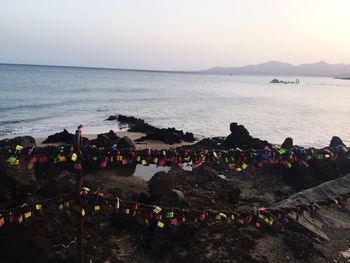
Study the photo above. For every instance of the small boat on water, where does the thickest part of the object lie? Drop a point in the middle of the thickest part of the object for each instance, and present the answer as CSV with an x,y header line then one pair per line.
x,y
285,82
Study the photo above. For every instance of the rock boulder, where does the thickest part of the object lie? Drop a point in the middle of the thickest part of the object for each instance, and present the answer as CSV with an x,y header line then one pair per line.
x,y
17,184
169,135
287,144
241,138
63,137
126,143
336,142
107,139
26,141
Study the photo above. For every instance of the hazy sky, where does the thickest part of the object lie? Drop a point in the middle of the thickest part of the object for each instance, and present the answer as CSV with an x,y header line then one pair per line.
x,y
173,35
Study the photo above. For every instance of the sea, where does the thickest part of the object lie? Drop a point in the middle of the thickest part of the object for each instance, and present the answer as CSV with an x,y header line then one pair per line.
x,y
41,100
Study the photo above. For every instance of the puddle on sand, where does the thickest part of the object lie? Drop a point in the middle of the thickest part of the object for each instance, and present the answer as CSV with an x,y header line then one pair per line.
x,y
140,171
145,172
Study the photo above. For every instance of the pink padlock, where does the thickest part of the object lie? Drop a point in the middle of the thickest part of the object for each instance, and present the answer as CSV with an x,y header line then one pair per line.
x,y
173,221
194,166
11,218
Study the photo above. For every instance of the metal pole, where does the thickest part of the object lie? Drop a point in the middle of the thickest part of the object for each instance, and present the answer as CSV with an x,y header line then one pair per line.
x,y
80,252
78,145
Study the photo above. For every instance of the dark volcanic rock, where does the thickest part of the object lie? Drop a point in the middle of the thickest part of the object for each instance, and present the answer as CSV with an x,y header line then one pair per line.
x,y
238,130
175,198
135,124
288,143
63,137
240,137
299,241
207,143
162,243
26,141
319,171
17,183
112,118
188,137
126,143
59,184
107,139
300,246
159,184
169,135
336,142
19,246
201,186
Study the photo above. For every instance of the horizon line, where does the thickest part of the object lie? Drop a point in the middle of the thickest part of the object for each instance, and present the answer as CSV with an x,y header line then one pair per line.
x,y
104,68
202,71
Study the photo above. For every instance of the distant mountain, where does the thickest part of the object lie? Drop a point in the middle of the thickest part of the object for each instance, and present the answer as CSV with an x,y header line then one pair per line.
x,y
279,68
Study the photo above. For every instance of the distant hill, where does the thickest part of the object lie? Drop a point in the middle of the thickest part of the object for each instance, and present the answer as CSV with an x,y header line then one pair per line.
x,y
279,68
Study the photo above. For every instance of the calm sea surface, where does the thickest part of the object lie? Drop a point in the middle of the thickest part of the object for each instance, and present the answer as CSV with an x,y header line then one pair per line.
x,y
37,100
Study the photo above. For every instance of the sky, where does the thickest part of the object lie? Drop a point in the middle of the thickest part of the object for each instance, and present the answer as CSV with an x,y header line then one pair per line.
x,y
173,35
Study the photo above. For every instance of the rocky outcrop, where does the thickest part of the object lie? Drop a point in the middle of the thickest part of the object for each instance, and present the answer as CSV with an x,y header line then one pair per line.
x,y
336,142
319,171
112,118
135,124
241,138
207,143
168,136
300,241
26,141
287,144
64,137
58,184
105,140
205,186
175,198
160,184
126,143
17,184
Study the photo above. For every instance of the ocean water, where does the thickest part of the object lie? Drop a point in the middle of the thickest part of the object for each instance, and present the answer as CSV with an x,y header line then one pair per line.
x,y
37,100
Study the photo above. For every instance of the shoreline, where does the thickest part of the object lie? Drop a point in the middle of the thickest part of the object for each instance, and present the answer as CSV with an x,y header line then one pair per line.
x,y
160,138
156,145
93,130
